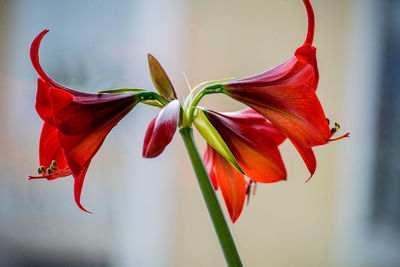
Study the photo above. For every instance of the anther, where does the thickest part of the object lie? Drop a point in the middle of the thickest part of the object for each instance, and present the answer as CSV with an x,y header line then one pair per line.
x,y
48,171
337,125
41,170
328,121
53,166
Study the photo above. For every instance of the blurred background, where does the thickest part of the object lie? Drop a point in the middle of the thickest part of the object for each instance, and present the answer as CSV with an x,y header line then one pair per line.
x,y
149,212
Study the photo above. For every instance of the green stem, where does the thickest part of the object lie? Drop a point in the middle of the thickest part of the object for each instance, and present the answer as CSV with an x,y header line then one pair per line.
x,y
213,89
231,254
148,95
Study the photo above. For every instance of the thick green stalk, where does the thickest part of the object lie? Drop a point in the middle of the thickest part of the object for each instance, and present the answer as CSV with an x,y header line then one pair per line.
x,y
231,254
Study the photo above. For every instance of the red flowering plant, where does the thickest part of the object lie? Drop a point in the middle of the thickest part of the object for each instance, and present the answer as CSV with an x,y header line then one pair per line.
x,y
243,146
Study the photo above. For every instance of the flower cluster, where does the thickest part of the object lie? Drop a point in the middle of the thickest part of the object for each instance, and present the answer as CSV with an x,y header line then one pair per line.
x,y
282,103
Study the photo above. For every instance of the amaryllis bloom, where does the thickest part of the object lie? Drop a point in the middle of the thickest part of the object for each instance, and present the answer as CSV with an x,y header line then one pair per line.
x,y
285,95
163,126
254,142
75,125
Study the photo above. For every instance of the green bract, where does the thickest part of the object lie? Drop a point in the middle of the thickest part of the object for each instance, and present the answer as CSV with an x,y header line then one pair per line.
x,y
161,80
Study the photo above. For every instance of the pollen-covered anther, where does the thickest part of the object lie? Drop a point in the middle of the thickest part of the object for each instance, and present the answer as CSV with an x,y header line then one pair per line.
x,y
48,171
53,166
335,129
41,170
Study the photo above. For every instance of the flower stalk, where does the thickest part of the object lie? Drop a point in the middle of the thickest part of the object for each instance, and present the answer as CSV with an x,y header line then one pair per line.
x,y
225,238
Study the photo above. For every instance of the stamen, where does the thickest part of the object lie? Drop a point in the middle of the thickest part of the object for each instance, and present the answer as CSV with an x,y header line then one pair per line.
x,y
336,128
53,163
340,137
41,170
254,188
48,171
248,190
250,184
53,166
328,121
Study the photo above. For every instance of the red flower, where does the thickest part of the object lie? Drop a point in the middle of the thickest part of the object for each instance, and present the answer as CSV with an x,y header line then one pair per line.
x,y
285,95
254,143
75,125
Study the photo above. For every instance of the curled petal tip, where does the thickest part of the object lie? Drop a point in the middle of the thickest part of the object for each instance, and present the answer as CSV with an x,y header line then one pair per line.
x,y
82,208
311,22
309,178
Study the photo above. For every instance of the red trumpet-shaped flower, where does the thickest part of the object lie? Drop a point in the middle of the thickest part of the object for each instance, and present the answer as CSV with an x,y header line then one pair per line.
x,y
75,125
285,95
254,143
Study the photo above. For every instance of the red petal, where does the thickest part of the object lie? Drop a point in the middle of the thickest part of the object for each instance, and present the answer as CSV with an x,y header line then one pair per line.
x,y
82,115
232,184
209,158
263,164
251,117
34,53
50,148
311,22
308,157
83,123
290,104
78,188
254,143
161,130
285,95
306,54
43,104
